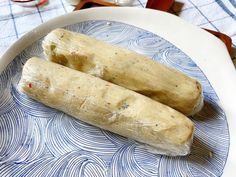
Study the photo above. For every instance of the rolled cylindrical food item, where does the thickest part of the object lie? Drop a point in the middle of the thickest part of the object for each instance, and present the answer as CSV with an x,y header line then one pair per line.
x,y
108,106
125,68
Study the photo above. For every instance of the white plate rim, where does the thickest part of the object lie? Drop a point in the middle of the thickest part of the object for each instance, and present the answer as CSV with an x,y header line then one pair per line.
x,y
207,51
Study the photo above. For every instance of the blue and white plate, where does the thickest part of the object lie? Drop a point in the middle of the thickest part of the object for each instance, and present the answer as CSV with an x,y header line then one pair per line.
x,y
36,140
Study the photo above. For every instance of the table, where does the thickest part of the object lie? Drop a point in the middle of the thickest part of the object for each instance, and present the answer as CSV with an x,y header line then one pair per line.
x,y
218,15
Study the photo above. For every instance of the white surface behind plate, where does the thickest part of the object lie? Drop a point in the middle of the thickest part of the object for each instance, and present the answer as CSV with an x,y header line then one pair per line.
x,y
207,51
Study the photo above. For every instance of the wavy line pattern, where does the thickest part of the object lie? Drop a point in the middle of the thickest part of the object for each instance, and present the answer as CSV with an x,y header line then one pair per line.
x,y
36,140
124,163
21,137
65,134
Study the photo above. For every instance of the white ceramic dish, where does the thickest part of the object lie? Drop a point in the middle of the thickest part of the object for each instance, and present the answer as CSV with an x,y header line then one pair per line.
x,y
205,50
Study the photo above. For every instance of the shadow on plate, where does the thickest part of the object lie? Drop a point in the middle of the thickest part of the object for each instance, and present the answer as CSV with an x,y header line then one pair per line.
x,y
209,111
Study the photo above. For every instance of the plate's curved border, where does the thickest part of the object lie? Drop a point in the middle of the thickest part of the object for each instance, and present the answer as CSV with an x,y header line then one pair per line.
x,y
207,51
